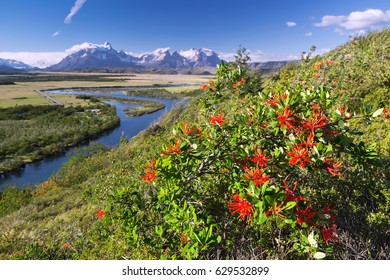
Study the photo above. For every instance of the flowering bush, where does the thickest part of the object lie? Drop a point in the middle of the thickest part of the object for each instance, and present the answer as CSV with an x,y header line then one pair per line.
x,y
264,152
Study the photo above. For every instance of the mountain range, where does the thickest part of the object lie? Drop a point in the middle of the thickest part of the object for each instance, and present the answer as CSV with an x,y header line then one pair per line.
x,y
93,56
90,55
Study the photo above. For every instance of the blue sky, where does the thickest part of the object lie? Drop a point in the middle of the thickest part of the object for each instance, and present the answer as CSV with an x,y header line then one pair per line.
x,y
270,30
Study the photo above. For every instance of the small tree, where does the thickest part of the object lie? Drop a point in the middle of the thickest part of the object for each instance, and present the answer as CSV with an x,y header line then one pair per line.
x,y
242,57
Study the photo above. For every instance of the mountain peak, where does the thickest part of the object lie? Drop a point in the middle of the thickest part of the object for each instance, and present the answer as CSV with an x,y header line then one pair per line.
x,y
161,51
88,46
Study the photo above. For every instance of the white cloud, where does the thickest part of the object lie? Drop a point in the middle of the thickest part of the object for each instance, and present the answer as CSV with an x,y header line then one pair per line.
x,y
291,24
35,59
330,20
259,56
366,19
55,34
76,7
308,34
358,20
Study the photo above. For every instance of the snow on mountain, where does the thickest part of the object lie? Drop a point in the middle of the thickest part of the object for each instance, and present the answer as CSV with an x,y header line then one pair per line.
x,y
88,55
13,64
193,54
88,46
201,57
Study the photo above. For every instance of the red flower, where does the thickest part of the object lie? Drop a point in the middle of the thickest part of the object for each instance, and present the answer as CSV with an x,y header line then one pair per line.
x,y
185,128
259,158
149,176
66,245
316,121
387,116
310,141
217,120
290,196
316,75
299,154
204,87
330,234
272,102
305,216
100,214
333,167
241,206
150,171
276,210
173,149
328,211
318,65
256,176
286,119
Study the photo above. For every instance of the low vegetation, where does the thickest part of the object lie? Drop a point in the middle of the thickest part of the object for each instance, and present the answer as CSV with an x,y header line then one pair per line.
x,y
285,169
47,130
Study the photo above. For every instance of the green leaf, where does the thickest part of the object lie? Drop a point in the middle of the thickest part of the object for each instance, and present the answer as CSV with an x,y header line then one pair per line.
x,y
264,188
290,204
319,255
378,112
262,218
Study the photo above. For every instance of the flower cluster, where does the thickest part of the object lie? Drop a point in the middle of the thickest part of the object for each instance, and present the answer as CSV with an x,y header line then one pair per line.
x,y
150,171
218,120
100,214
242,207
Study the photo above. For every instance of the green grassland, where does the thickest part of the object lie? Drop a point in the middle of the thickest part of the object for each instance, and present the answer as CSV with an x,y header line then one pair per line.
x,y
35,223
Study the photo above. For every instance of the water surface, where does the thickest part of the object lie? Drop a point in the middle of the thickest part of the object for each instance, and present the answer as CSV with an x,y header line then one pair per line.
x,y
38,172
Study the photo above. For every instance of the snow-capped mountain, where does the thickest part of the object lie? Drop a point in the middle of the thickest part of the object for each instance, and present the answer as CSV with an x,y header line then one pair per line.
x,y
88,55
162,58
201,57
13,64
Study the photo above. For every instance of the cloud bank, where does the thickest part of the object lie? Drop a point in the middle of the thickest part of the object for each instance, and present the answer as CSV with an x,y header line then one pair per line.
x,y
76,7
370,18
35,59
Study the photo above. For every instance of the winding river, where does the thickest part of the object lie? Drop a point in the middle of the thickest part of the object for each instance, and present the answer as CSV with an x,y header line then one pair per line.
x,y
38,172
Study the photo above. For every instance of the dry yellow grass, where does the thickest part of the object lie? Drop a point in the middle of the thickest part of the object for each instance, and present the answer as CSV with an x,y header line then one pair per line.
x,y
23,93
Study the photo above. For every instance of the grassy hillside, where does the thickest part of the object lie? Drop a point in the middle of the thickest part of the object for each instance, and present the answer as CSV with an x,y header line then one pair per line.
x,y
238,174
359,71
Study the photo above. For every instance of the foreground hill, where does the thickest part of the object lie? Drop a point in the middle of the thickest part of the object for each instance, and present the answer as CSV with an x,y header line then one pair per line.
x,y
238,174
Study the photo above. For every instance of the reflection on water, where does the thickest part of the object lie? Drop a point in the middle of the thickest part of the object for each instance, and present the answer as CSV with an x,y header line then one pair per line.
x,y
38,172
